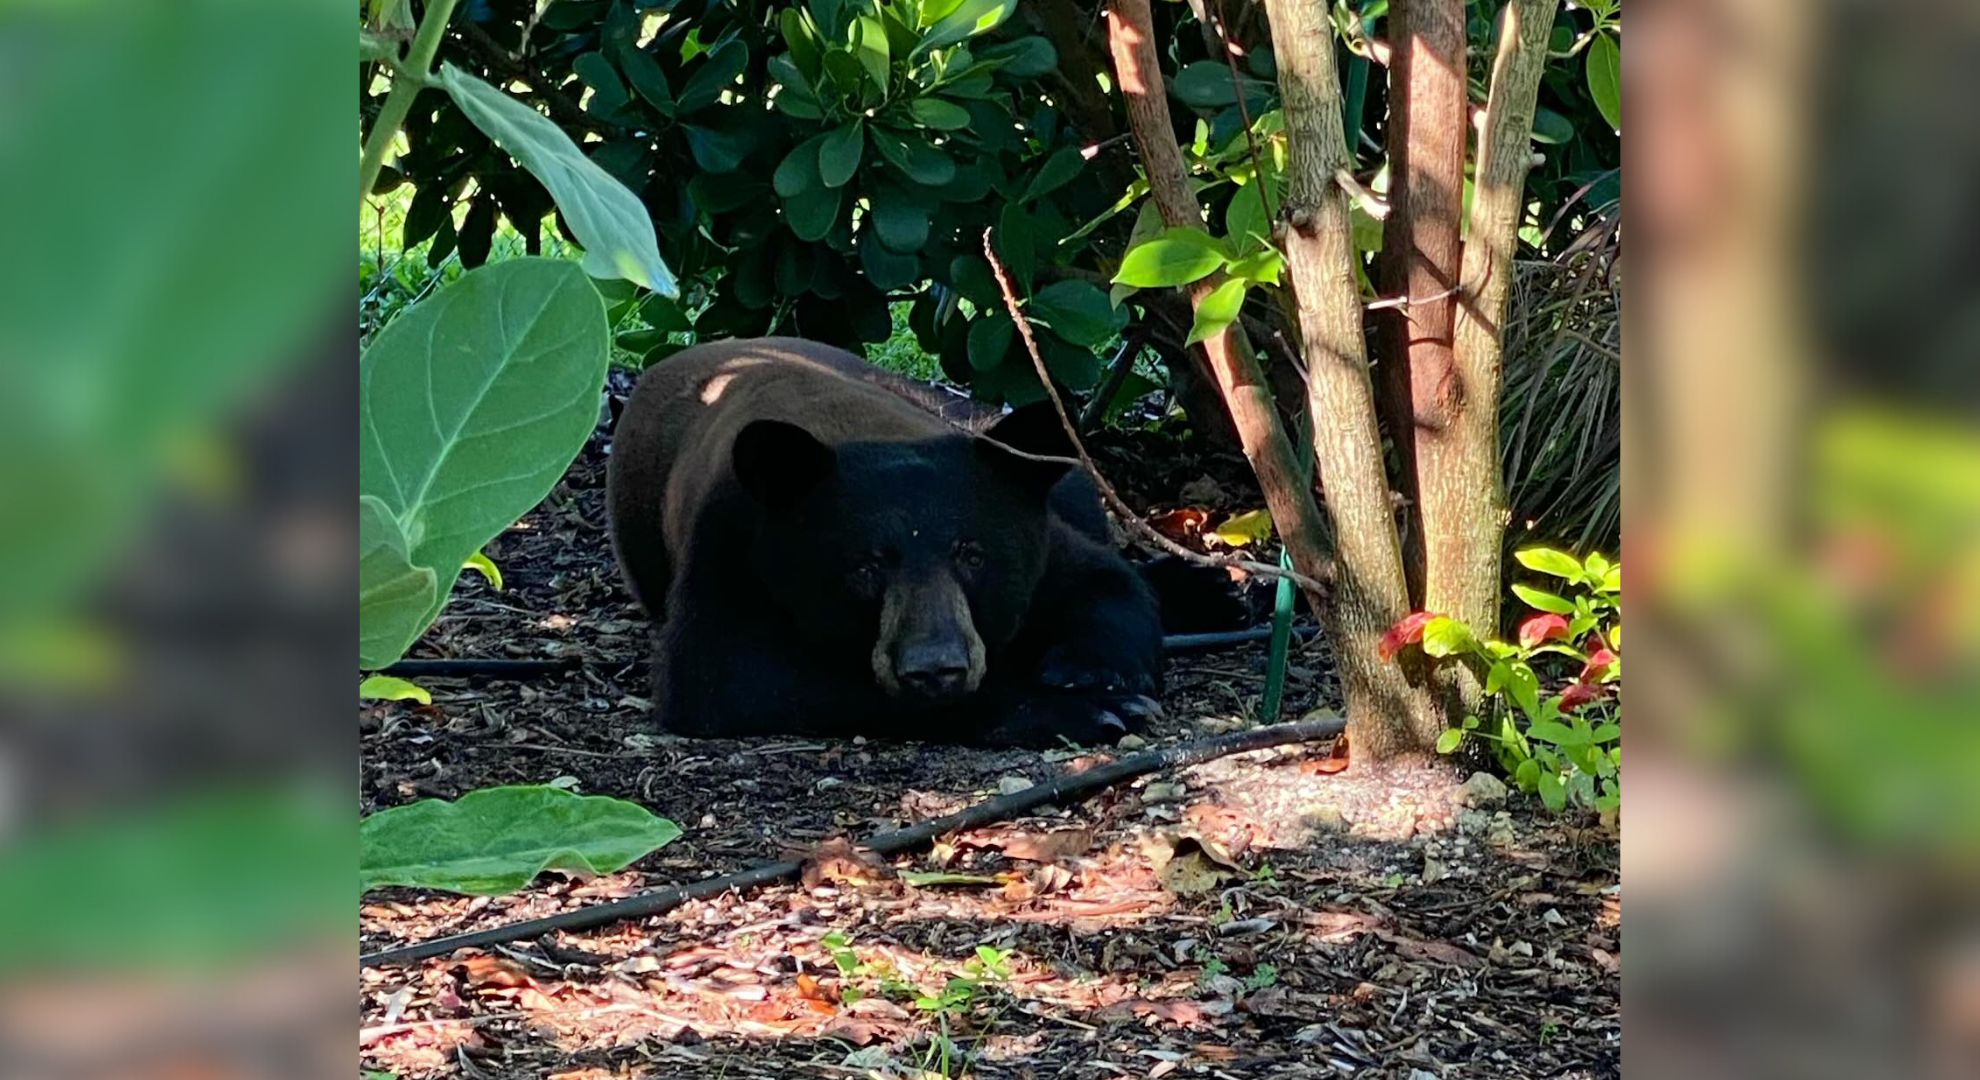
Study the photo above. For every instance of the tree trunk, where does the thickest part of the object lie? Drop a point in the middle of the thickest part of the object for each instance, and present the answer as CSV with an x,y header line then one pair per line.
x,y
1464,501
1131,38
1386,714
1421,255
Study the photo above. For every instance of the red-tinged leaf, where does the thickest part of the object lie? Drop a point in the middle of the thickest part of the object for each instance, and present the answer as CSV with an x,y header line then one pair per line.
x,y
1541,628
1579,694
1181,523
1598,665
1407,631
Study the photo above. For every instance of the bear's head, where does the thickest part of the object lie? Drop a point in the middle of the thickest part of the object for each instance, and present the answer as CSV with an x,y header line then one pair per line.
x,y
922,556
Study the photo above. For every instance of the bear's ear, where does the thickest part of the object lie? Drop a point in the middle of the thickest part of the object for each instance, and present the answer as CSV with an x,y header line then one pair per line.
x,y
1034,429
778,462
1030,474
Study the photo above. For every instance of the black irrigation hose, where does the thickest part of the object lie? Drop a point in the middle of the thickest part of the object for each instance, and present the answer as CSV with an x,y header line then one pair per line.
x,y
532,669
1062,787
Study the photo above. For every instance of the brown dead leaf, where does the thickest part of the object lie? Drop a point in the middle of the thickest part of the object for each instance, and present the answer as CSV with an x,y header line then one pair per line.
x,y
495,972
1605,959
1364,991
1181,523
1335,760
837,861
1191,872
1436,952
1273,1001
1047,847
1174,1010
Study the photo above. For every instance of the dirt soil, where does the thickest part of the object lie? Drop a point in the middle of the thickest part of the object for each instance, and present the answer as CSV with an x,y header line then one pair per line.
x,y
1262,916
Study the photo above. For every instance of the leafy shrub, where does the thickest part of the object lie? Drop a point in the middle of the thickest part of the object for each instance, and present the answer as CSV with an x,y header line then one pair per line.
x,y
1565,745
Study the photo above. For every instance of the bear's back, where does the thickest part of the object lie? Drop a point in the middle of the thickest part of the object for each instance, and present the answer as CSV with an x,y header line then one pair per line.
x,y
671,448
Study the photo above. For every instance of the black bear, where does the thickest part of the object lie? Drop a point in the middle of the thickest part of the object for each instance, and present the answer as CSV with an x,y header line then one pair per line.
x,y
824,556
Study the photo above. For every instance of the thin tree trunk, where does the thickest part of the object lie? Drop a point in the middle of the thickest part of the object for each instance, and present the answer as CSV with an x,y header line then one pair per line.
x,y
1464,503
1420,251
1386,714
1421,257
1131,38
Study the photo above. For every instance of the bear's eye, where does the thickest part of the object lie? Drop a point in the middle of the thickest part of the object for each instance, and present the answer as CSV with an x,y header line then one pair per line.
x,y
968,555
865,577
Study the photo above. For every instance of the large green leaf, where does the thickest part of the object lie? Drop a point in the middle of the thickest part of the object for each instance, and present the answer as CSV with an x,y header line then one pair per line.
x,y
1605,78
870,46
1025,58
799,171
968,19
1078,311
497,839
645,75
1175,256
990,340
393,594
811,214
839,153
1549,561
1058,170
1218,310
1207,84
608,220
900,220
919,161
472,404
718,70
939,114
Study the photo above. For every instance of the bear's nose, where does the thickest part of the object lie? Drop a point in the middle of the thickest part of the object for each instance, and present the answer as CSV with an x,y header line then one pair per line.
x,y
934,669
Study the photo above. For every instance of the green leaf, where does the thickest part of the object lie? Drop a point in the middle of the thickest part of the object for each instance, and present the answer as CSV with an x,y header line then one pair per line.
x,y
1078,311
884,268
869,37
394,596
1548,561
375,47
1205,84
1026,58
1594,567
496,840
920,162
1605,78
1445,636
1175,256
811,214
471,406
1527,774
1218,310
1262,268
609,221
1543,600
939,114
1553,731
388,688
1250,527
608,91
1524,687
900,220
1246,220
990,340
1015,244
1495,679
716,150
1611,580
648,80
925,878
485,566
799,171
717,73
1551,127
664,313
1449,740
839,153
1057,172
966,20
1553,792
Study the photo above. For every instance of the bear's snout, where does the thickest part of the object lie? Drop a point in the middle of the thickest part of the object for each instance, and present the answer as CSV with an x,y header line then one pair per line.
x,y
934,669
927,646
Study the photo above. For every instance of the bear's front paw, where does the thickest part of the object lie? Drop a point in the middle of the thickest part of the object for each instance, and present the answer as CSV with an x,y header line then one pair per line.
x,y
1090,719
1067,669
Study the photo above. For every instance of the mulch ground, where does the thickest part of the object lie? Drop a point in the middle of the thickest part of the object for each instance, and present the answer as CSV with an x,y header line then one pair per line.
x,y
1262,916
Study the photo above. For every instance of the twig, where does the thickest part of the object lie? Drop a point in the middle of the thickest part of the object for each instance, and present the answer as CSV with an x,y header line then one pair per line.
x,y
1128,517
1369,201
1064,787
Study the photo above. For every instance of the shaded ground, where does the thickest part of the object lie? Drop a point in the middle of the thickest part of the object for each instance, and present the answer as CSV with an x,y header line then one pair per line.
x,y
1260,916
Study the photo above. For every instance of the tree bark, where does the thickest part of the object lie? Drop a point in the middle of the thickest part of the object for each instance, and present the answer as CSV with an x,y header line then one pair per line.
x,y
1131,37
1427,132
1464,500
1386,714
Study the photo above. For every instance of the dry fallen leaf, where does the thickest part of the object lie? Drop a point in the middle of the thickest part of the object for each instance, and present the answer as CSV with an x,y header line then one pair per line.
x,y
1048,847
1180,523
1439,952
484,972
837,861
1192,872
